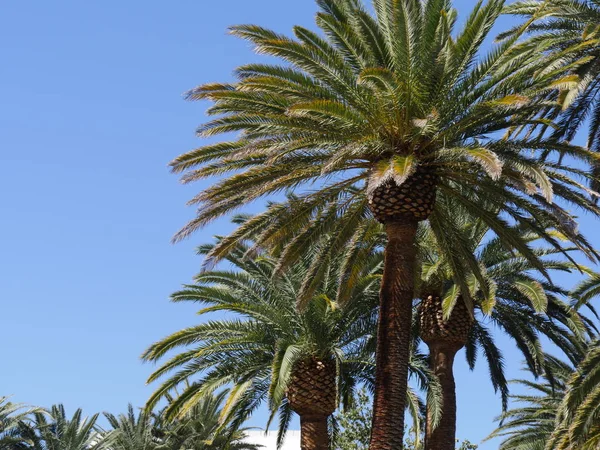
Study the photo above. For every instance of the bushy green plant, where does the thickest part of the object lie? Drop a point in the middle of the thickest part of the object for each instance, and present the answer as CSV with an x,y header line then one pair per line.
x,y
353,428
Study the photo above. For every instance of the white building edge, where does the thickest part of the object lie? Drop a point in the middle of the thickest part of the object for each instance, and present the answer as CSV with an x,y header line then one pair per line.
x,y
269,440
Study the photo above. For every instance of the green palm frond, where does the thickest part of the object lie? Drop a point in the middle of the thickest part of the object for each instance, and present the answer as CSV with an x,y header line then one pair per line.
x,y
568,29
53,429
560,412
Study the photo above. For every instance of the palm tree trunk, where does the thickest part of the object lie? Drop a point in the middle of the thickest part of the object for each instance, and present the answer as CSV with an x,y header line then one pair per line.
x,y
394,336
314,433
444,337
443,437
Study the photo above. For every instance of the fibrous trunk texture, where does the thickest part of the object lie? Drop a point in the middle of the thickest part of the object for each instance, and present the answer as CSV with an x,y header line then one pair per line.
x,y
312,394
443,436
314,434
412,201
394,336
434,328
444,339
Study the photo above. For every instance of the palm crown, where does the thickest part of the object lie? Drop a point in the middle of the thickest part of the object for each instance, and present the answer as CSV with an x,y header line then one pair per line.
x,y
578,413
11,416
532,420
563,413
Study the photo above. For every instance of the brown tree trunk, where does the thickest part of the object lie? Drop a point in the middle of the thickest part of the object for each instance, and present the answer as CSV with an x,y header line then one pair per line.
x,y
443,437
394,336
444,337
314,434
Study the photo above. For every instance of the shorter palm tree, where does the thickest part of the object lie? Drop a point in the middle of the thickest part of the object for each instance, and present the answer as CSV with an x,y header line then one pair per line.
x,y
578,418
133,431
523,305
202,428
306,362
199,429
53,430
564,412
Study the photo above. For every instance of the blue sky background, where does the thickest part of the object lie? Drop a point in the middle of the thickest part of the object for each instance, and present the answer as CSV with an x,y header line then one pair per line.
x,y
91,113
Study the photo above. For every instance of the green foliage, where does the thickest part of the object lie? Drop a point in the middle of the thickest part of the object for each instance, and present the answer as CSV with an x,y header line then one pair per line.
x,y
569,29
355,424
466,445
200,429
354,428
54,430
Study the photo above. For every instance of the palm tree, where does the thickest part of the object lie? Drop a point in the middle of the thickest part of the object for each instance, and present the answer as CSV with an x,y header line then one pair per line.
x,y
524,306
530,426
199,429
382,117
570,29
305,362
53,430
10,416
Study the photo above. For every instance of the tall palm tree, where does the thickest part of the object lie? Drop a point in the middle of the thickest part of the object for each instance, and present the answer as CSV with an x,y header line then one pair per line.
x,y
381,117
570,29
305,361
54,430
199,429
524,306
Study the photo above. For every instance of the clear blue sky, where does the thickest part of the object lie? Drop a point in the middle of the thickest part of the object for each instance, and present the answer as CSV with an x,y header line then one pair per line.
x,y
91,113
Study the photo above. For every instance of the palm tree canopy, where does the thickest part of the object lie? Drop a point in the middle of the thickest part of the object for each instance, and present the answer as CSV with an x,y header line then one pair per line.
x,y
134,432
11,414
203,428
372,99
578,419
256,350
